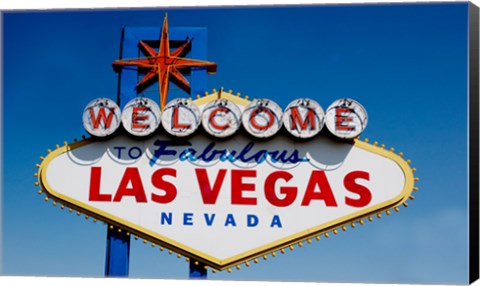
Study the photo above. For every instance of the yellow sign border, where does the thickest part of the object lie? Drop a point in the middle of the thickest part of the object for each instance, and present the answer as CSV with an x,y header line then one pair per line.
x,y
255,253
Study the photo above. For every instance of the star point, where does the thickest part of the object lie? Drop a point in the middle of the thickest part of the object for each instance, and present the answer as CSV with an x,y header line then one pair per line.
x,y
164,65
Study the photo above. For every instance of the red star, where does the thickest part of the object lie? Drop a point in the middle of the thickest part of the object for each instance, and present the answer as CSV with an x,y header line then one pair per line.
x,y
165,64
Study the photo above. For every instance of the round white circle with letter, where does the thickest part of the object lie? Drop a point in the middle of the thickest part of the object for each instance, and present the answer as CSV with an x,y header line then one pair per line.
x,y
303,118
262,118
346,118
181,117
141,116
221,118
101,117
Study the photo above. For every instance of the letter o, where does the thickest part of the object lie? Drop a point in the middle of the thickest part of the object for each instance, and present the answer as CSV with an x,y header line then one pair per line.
x,y
262,118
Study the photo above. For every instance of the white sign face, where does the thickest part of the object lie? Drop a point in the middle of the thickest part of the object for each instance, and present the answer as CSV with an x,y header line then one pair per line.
x,y
101,117
262,118
221,118
226,202
141,116
346,118
303,118
181,117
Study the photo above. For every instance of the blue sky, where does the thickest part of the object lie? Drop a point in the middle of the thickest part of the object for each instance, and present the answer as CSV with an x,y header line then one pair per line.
x,y
407,64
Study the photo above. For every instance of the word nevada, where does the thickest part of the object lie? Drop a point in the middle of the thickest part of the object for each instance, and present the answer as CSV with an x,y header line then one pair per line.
x,y
261,118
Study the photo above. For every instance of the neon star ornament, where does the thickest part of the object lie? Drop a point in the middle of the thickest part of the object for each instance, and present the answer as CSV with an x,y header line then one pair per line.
x,y
165,65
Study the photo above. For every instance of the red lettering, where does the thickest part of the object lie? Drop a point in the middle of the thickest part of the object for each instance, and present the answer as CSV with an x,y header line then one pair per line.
x,y
209,194
318,178
365,196
137,119
290,193
101,116
159,183
271,118
238,187
175,123
341,118
94,193
296,118
131,185
212,121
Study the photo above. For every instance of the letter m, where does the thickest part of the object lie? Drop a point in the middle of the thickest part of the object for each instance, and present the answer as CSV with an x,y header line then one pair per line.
x,y
101,116
297,119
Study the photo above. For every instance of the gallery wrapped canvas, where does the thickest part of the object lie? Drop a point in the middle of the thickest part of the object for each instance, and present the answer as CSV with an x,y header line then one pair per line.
x,y
309,143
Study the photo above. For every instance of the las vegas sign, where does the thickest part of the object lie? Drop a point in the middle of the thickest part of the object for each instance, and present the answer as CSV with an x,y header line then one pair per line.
x,y
224,180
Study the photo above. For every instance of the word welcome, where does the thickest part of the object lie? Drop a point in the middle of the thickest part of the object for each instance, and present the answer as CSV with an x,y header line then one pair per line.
x,y
263,118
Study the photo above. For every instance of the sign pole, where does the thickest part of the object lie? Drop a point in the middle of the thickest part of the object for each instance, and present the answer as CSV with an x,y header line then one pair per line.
x,y
197,270
118,253
118,243
198,83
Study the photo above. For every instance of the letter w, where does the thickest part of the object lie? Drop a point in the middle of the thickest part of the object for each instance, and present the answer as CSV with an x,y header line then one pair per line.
x,y
101,116
209,194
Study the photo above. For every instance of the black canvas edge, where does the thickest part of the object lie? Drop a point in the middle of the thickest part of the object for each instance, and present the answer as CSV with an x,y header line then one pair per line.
x,y
473,142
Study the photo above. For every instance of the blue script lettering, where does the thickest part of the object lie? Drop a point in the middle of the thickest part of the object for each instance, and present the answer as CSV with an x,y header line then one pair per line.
x,y
163,151
210,153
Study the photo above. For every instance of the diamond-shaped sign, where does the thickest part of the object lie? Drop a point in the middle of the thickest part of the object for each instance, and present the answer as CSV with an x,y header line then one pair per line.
x,y
227,202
